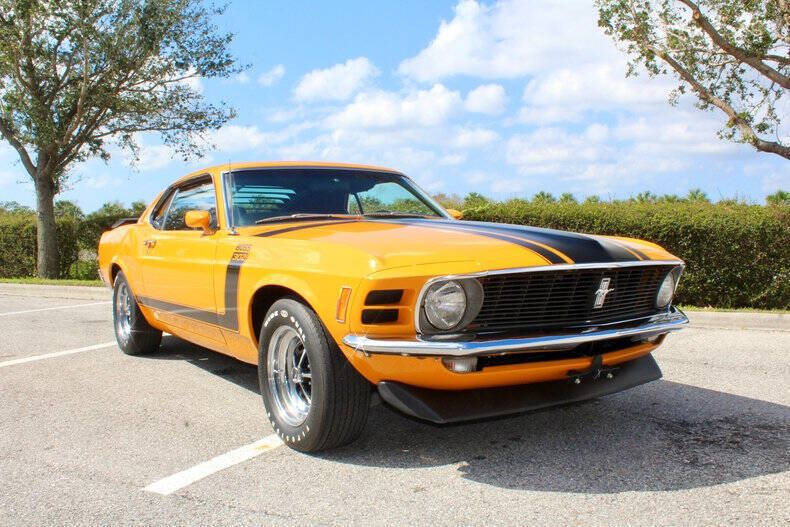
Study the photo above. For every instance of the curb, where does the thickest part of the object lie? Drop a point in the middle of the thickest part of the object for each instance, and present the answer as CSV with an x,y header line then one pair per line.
x,y
734,320
57,291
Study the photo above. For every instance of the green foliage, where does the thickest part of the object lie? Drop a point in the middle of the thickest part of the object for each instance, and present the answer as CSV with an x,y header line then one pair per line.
x,y
780,198
731,53
105,70
543,197
736,255
101,220
18,244
78,77
77,238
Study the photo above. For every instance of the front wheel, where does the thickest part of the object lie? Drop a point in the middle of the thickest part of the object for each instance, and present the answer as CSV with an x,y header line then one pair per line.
x,y
134,334
314,398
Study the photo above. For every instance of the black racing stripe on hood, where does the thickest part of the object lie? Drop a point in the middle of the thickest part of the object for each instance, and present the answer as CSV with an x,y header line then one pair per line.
x,y
578,247
300,227
458,226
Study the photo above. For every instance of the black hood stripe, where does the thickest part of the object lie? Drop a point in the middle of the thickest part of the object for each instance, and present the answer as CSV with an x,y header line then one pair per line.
x,y
636,252
546,254
300,227
578,247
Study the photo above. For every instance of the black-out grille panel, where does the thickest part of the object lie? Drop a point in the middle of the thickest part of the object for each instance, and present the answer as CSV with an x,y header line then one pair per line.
x,y
565,298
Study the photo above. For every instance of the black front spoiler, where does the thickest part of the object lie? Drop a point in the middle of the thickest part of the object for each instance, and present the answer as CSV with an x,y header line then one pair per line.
x,y
450,406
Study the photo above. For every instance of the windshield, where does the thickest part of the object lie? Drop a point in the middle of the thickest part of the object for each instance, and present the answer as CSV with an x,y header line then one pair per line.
x,y
277,193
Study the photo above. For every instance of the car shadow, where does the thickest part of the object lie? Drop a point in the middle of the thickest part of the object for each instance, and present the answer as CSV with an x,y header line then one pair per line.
x,y
660,436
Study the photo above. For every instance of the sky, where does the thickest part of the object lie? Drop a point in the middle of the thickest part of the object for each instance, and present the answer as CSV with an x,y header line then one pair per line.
x,y
505,98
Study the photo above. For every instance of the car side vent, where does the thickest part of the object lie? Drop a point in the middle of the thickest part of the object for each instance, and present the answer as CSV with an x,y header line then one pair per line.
x,y
379,316
383,297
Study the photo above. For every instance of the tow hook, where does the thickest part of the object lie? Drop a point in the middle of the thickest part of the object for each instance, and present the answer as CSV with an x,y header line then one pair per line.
x,y
594,372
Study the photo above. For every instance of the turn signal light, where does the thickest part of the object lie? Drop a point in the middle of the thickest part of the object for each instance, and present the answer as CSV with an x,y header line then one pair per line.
x,y
460,364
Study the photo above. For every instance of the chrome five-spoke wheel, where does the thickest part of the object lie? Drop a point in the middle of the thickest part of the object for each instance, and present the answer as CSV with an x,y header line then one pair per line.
x,y
123,311
290,377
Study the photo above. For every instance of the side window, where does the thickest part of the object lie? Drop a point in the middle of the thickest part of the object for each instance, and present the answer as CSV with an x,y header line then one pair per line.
x,y
353,204
158,217
195,197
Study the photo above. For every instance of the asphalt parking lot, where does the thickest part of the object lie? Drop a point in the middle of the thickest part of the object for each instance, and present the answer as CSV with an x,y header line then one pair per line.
x,y
96,437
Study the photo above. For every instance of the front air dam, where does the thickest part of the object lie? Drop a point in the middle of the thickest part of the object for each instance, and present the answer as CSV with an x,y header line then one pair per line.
x,y
449,406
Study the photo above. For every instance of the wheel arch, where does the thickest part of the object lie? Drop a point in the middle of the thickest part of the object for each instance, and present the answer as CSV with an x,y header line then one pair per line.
x,y
263,298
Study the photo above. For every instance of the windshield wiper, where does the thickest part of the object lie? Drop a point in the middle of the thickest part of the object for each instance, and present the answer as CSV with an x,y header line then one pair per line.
x,y
394,214
303,216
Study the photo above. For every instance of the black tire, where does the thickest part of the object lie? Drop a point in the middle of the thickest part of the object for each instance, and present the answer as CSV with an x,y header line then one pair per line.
x,y
134,334
339,397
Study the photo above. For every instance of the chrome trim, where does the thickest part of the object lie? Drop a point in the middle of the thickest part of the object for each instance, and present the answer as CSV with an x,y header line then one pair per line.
x,y
225,198
537,268
656,325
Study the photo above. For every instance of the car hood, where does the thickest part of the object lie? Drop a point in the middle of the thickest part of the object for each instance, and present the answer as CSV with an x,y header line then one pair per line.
x,y
409,241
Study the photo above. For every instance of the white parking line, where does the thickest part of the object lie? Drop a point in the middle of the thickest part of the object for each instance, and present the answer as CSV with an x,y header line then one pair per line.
x,y
186,477
56,307
56,354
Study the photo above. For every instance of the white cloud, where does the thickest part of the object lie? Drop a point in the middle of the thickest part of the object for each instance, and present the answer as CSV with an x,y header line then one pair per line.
x,y
548,115
193,81
565,94
386,109
452,159
548,149
99,181
6,178
474,137
151,157
339,82
488,99
241,78
510,39
272,76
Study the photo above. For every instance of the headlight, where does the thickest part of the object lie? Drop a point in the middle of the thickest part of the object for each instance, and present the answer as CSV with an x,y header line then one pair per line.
x,y
667,290
445,304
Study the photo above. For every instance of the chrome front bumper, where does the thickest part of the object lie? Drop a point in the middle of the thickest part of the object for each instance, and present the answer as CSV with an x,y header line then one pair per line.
x,y
673,320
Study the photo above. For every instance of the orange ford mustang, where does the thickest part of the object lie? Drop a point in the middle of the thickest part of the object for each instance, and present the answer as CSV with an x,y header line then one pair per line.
x,y
339,281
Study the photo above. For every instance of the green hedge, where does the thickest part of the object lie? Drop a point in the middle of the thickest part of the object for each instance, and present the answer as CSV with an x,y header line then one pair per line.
x,y
736,255
18,245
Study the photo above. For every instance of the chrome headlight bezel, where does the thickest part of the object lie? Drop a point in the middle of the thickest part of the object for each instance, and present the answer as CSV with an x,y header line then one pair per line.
x,y
473,294
668,283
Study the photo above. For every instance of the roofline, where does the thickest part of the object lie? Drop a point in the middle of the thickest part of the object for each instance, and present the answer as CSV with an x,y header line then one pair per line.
x,y
217,169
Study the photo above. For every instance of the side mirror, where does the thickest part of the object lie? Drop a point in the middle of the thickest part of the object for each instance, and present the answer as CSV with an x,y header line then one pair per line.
x,y
199,219
457,214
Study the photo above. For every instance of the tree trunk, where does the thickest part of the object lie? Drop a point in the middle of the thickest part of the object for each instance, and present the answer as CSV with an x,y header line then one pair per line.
x,y
46,229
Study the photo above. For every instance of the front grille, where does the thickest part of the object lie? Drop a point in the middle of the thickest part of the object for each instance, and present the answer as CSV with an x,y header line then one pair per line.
x,y
565,298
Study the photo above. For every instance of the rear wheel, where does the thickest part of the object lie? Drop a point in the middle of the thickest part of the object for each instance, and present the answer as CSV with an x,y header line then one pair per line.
x,y
314,398
134,334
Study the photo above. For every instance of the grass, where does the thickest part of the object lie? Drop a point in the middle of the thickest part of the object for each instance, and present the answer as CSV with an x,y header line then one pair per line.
x,y
48,281
735,310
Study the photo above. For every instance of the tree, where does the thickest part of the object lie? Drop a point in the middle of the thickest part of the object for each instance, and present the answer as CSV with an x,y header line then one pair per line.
x,y
65,208
543,197
567,197
697,195
780,198
732,53
77,76
474,200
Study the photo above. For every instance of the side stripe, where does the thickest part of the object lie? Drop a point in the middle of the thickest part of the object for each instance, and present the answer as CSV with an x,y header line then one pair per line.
x,y
230,318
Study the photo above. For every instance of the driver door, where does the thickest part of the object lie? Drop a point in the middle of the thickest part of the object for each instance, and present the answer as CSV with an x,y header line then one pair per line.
x,y
178,262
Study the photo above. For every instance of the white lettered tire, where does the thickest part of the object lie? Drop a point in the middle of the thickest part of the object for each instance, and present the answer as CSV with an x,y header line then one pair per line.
x,y
314,399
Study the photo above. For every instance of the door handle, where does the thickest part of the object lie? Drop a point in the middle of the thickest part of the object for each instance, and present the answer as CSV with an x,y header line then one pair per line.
x,y
150,244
